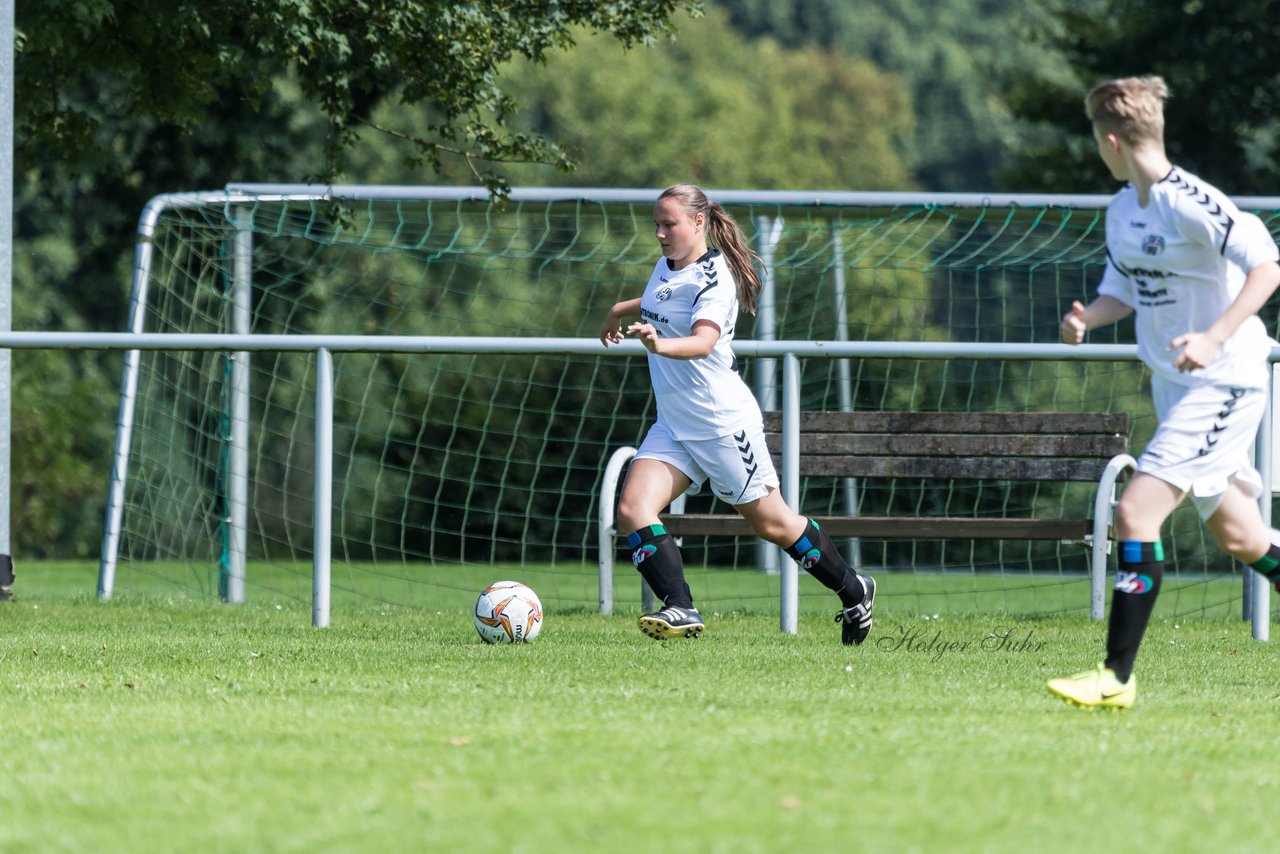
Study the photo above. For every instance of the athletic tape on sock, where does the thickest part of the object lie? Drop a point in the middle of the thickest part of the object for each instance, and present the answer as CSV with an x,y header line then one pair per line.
x,y
643,535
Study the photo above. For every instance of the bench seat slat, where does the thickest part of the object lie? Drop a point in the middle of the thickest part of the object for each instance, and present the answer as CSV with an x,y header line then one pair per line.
x,y
955,444
983,446
956,422
896,527
960,468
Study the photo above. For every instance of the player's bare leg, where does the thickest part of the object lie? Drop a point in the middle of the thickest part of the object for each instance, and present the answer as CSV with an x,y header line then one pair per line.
x,y
1146,503
651,485
810,547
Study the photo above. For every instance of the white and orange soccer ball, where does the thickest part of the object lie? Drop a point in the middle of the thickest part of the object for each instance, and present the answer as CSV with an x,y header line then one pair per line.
x,y
508,612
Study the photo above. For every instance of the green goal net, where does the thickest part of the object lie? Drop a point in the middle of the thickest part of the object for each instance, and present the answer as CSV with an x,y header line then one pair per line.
x,y
455,469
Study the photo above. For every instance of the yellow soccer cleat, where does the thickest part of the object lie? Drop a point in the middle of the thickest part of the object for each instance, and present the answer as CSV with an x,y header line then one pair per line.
x,y
1096,689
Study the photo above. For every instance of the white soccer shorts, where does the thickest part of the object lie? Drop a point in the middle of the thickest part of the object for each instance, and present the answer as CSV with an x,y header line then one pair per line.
x,y
738,465
1205,440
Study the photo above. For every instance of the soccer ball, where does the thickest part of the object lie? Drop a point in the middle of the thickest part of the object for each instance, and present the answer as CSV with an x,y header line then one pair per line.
x,y
508,612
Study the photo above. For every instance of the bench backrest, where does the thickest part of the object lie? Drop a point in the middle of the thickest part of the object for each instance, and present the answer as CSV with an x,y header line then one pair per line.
x,y
1063,446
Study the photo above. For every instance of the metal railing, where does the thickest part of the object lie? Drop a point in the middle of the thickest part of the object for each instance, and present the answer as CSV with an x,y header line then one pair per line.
x,y
791,352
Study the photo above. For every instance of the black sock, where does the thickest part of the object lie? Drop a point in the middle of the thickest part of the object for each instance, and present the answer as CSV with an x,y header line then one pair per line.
x,y
1137,586
818,556
657,557
1269,565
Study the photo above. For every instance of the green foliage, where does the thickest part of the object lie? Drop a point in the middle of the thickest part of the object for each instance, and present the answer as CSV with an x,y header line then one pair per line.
x,y
171,63
947,56
60,436
1220,59
60,442
118,102
719,110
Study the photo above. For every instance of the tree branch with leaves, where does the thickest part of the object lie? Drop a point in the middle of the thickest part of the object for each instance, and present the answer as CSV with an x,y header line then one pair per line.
x,y
82,65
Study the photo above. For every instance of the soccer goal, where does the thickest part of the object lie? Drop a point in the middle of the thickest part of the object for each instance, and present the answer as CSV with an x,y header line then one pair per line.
x,y
459,466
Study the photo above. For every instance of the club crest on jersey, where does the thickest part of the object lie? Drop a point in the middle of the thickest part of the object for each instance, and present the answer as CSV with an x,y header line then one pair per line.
x,y
1153,244
664,294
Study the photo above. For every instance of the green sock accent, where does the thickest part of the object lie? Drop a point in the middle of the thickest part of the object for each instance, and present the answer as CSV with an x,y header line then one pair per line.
x,y
1267,565
643,535
1136,551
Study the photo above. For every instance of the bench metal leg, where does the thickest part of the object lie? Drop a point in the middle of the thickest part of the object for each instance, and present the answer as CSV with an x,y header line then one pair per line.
x,y
606,521
1104,503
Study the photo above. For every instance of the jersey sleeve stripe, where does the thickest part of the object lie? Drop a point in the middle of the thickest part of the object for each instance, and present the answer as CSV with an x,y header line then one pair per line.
x,y
1115,266
712,280
1212,208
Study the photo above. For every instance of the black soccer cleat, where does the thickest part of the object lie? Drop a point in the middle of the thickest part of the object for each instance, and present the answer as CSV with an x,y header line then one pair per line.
x,y
6,577
856,620
672,622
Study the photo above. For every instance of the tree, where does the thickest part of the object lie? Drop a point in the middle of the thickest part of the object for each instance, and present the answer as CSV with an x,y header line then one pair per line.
x,y
715,109
1221,61
948,56
118,102
84,64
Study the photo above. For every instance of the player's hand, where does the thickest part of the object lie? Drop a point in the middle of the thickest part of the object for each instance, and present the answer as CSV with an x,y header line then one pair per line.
x,y
647,335
1198,350
1073,326
610,330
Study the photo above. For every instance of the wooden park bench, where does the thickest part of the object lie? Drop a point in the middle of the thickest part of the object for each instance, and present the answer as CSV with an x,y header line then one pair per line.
x,y
981,446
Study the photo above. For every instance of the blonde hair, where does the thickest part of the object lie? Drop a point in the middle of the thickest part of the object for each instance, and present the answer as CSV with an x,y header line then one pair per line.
x,y
1132,108
724,235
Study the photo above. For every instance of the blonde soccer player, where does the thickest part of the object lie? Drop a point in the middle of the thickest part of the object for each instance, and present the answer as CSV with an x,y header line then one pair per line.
x,y
709,426
1194,270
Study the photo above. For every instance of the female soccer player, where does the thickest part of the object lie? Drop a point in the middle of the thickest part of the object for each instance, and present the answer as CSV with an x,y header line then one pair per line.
x,y
1194,270
709,425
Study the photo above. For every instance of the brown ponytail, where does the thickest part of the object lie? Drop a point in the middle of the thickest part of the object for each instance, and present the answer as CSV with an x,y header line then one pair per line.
x,y
724,234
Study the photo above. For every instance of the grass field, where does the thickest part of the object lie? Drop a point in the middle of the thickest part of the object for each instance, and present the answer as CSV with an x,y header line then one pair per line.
x,y
159,723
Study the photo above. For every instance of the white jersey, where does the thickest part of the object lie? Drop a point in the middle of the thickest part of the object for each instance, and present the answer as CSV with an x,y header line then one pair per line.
x,y
1179,263
697,398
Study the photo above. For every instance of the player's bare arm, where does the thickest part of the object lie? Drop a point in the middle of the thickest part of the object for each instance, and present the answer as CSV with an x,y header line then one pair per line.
x,y
696,346
1103,311
611,329
1201,348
